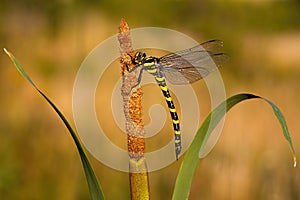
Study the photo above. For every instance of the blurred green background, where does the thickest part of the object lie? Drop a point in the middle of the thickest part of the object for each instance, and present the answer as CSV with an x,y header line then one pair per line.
x,y
38,159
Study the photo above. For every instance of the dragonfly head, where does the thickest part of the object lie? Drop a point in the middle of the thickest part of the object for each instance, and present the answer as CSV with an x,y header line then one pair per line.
x,y
139,57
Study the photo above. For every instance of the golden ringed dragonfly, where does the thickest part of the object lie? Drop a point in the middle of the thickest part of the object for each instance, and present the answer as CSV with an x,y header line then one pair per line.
x,y
183,67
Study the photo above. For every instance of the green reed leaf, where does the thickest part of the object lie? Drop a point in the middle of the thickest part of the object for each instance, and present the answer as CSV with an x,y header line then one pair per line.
x,y
94,188
191,158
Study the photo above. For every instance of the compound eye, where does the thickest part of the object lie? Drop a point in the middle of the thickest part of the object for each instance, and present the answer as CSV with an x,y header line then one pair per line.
x,y
139,57
136,58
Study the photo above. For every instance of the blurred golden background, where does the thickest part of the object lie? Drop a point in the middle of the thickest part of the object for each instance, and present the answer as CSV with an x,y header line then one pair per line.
x,y
38,159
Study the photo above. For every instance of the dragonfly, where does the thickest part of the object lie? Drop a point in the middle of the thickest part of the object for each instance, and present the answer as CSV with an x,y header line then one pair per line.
x,y
179,68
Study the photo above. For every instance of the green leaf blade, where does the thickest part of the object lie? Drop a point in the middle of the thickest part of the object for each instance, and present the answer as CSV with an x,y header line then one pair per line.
x,y
191,158
284,127
94,187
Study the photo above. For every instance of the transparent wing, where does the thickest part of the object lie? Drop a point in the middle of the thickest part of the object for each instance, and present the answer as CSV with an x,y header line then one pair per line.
x,y
193,64
212,46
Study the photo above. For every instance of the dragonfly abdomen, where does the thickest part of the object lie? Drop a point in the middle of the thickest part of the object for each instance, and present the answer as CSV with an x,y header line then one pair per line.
x,y
160,79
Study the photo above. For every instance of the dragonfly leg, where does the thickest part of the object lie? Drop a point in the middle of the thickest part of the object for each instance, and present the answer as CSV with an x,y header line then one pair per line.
x,y
132,69
139,77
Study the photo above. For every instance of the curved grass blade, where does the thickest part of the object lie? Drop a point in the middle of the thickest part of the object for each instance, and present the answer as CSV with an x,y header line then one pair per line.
x,y
191,159
94,188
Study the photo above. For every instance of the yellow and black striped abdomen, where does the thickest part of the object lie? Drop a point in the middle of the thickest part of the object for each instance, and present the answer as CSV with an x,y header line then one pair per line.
x,y
160,79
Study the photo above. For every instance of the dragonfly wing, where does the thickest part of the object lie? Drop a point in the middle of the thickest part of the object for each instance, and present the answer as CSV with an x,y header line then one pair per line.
x,y
192,64
212,46
220,59
185,75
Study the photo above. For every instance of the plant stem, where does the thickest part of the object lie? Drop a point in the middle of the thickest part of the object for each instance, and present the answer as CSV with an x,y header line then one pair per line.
x,y
138,173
